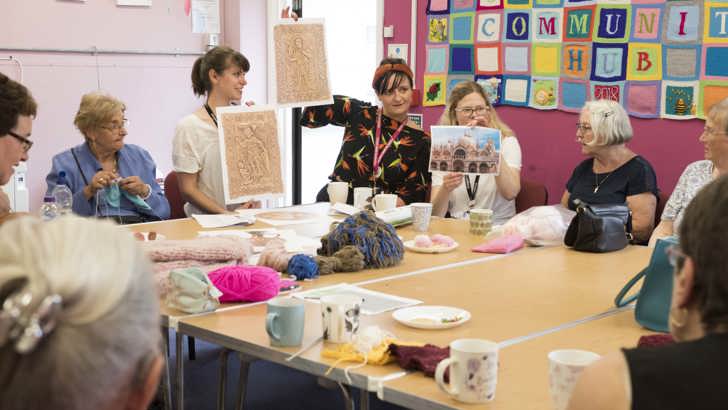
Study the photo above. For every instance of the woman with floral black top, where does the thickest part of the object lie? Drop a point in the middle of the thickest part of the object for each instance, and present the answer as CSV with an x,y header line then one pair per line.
x,y
380,148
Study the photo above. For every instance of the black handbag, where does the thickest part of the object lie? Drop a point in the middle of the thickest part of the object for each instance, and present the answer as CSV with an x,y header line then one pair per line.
x,y
599,228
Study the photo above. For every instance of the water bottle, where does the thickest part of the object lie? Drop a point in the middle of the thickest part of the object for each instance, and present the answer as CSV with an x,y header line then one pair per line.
x,y
62,194
48,210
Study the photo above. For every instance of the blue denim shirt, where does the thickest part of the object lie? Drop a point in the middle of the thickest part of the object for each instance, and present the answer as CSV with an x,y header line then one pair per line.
x,y
131,160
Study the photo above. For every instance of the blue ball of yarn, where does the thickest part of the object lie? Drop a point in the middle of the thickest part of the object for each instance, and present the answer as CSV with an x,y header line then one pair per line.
x,y
303,267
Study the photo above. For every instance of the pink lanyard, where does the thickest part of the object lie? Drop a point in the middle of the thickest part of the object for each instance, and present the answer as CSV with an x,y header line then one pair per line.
x,y
377,156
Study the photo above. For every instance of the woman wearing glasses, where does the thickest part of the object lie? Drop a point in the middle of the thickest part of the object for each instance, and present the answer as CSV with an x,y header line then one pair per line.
x,y
699,173
17,109
457,193
688,374
109,178
614,174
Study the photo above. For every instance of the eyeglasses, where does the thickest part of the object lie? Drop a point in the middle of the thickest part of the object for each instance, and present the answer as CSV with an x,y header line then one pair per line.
x,y
583,127
472,110
709,131
675,256
27,143
115,126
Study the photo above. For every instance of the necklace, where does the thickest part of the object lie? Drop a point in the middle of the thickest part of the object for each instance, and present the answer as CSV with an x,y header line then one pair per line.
x,y
597,184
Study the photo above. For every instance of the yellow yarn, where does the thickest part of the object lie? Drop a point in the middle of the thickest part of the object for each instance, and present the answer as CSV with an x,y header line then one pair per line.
x,y
347,352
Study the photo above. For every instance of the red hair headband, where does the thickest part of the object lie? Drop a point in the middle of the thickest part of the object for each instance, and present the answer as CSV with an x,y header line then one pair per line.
x,y
384,69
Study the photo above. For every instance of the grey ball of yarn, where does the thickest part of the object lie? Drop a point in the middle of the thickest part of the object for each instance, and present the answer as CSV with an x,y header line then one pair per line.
x,y
346,259
374,238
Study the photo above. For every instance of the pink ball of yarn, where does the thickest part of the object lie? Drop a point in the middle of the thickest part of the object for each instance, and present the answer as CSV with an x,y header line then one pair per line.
x,y
245,283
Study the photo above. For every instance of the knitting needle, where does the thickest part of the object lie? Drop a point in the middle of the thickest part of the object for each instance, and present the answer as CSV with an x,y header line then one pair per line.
x,y
305,348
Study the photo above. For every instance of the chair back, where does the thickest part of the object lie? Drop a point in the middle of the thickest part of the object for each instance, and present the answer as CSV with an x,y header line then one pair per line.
x,y
174,197
532,194
662,199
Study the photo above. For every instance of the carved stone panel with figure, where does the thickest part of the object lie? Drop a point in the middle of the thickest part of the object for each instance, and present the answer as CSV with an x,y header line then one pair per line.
x,y
302,75
251,155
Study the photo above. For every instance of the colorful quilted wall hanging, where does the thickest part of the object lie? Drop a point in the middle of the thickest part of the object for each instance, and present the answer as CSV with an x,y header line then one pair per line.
x,y
659,58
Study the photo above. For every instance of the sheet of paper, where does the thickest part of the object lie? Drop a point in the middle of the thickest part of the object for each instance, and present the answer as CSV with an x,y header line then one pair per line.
x,y
259,237
205,16
222,220
136,3
374,302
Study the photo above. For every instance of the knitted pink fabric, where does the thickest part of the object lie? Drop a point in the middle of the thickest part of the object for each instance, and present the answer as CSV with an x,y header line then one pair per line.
x,y
220,248
246,283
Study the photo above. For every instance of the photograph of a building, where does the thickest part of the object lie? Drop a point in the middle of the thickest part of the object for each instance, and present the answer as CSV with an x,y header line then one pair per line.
x,y
472,150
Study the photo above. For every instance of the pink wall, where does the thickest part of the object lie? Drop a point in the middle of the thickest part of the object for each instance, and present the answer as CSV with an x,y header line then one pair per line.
x,y
547,138
156,89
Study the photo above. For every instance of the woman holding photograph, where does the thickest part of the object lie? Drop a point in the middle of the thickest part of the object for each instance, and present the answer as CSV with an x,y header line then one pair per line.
x,y
219,76
380,148
457,194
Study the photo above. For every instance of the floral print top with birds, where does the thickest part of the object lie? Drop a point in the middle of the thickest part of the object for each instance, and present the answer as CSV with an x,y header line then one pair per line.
x,y
403,169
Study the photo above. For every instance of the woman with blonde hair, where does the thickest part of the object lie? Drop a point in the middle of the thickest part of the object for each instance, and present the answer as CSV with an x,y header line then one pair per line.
x,y
469,106
79,317
109,178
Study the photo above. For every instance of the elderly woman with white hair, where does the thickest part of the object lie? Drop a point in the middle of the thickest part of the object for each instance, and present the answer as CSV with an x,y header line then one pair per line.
x,y
77,331
614,174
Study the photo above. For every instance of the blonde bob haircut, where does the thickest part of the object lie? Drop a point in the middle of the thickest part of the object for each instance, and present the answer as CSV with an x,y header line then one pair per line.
x,y
462,90
609,122
96,110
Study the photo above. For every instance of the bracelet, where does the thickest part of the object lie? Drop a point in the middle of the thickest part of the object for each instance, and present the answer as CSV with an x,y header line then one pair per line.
x,y
149,193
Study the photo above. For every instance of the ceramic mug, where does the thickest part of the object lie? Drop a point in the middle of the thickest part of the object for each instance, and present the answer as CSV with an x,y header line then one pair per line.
x,y
384,202
421,215
338,192
480,221
284,321
340,314
362,196
473,367
565,366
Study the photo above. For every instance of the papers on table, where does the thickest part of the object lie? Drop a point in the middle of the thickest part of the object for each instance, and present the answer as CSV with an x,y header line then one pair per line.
x,y
374,302
222,220
293,242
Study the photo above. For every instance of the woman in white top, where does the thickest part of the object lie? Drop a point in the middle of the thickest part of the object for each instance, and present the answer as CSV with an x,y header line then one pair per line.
x,y
457,193
220,76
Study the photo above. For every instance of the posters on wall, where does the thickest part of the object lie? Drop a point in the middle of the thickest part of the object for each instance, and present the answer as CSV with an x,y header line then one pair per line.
x,y
205,16
659,58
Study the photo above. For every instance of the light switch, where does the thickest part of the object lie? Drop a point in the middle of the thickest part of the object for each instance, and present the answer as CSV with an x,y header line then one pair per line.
x,y
388,31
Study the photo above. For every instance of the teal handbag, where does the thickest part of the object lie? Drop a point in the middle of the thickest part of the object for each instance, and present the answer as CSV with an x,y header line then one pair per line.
x,y
653,300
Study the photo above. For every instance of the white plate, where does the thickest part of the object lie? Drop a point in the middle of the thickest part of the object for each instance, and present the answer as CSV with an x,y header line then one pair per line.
x,y
410,245
431,317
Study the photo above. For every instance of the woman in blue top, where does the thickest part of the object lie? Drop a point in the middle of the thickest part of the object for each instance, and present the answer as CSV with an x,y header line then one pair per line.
x,y
108,178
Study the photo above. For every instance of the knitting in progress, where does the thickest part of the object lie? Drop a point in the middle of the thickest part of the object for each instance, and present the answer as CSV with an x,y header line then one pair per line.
x,y
375,239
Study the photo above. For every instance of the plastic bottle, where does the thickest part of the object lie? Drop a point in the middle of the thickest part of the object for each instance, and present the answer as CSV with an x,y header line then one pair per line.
x,y
62,194
48,210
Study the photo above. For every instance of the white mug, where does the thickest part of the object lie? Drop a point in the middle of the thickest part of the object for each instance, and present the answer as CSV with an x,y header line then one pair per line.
x,y
340,314
473,370
362,196
384,202
338,192
565,366
421,215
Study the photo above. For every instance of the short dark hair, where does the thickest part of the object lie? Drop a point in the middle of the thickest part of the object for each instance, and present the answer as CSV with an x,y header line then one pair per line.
x,y
218,58
703,234
15,100
380,86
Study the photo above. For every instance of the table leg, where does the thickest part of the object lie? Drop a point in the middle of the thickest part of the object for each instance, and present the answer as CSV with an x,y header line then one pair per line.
x,y
363,399
179,384
348,399
223,379
243,380
166,382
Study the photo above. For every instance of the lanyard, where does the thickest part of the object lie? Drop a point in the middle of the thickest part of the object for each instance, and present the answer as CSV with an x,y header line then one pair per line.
x,y
211,114
472,190
377,156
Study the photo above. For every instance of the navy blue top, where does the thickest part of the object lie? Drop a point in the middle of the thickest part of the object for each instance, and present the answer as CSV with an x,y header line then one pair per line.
x,y
131,160
634,177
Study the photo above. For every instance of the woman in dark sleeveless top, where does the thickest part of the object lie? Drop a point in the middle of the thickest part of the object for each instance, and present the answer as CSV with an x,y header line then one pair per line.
x,y
689,374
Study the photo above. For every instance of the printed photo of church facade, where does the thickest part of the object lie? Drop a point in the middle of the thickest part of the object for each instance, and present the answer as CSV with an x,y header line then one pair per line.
x,y
464,149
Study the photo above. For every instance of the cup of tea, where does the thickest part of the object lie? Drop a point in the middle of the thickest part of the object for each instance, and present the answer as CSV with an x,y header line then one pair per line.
x,y
284,321
384,202
473,367
480,221
565,366
362,196
338,192
340,315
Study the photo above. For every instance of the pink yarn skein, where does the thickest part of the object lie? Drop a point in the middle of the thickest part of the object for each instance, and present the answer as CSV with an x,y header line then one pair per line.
x,y
246,283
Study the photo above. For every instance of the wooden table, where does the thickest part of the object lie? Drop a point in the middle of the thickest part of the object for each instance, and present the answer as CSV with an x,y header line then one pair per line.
x,y
514,300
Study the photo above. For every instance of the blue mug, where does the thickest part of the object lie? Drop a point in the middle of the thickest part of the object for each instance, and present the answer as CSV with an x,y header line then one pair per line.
x,y
284,321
